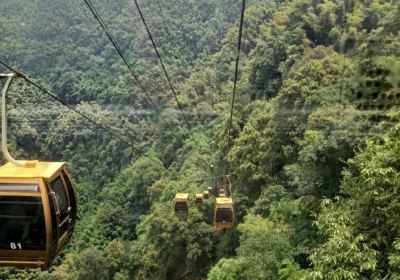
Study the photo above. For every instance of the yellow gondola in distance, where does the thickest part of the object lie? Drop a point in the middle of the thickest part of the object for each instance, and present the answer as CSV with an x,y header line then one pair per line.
x,y
223,213
199,199
181,204
38,207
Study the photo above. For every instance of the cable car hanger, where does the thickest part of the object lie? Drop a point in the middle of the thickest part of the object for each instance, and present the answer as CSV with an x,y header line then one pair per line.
x,y
4,125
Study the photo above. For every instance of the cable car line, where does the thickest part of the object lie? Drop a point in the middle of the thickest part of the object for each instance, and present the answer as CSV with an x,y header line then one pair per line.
x,y
162,64
98,17
236,69
103,25
239,43
83,115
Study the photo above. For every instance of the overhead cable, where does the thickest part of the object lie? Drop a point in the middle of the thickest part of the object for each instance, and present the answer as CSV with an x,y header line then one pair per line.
x,y
103,25
236,70
162,63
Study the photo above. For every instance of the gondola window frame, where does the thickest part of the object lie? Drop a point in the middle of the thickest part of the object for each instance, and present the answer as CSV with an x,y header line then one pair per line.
x,y
64,217
54,213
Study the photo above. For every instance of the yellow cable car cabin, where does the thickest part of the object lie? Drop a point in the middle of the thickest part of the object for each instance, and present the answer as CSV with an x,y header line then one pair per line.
x,y
199,199
206,194
223,214
181,204
38,209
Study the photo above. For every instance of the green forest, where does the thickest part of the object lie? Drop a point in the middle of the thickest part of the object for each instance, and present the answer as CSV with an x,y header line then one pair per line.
x,y
314,153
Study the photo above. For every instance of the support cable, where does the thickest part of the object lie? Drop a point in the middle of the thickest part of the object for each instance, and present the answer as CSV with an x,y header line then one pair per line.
x,y
236,71
162,64
234,86
98,17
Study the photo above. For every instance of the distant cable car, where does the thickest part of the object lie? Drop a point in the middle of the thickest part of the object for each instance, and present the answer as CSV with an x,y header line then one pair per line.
x,y
199,199
222,192
223,213
181,204
206,194
38,206
210,190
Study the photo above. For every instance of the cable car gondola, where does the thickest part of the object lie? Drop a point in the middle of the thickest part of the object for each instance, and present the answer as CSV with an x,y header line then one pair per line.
x,y
223,214
181,204
206,194
199,199
38,210
38,206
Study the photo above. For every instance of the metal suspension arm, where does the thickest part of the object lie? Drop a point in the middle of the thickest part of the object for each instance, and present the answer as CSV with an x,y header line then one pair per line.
x,y
230,185
4,127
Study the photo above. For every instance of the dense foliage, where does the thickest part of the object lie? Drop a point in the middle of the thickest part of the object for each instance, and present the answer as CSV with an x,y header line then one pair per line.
x,y
314,162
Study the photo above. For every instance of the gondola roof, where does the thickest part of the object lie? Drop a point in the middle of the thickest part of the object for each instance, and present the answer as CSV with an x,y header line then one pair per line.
x,y
224,200
41,170
183,196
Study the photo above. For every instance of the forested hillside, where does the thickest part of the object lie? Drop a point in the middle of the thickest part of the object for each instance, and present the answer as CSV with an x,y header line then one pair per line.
x,y
314,158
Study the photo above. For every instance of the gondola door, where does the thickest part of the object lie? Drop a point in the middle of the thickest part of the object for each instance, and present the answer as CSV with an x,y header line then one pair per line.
x,y
54,222
73,201
64,214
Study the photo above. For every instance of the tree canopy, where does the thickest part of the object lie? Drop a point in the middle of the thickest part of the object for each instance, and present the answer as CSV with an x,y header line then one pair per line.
x,y
313,160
